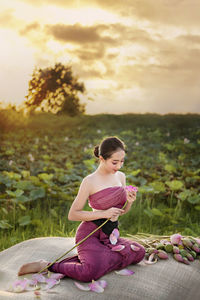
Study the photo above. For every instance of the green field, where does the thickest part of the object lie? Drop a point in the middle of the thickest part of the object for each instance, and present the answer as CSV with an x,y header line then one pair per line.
x,y
44,158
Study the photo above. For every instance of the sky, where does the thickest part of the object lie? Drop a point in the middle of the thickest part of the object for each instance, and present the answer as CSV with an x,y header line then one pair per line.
x,y
134,56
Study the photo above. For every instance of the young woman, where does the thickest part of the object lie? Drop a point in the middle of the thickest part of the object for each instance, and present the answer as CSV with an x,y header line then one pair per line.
x,y
105,190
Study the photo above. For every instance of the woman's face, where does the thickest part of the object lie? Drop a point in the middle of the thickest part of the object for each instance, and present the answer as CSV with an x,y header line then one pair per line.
x,y
115,162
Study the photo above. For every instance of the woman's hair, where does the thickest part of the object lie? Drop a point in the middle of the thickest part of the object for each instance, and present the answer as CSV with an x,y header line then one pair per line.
x,y
108,146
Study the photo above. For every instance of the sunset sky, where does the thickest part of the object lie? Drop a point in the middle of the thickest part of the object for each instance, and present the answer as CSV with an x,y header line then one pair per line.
x,y
133,55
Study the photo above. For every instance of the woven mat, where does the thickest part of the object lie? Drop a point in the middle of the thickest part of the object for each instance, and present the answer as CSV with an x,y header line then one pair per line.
x,y
165,280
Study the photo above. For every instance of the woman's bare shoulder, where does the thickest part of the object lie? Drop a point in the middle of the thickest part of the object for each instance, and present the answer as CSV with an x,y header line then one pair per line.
x,y
122,177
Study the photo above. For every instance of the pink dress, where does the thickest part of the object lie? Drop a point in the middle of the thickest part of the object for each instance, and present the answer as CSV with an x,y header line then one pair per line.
x,y
95,256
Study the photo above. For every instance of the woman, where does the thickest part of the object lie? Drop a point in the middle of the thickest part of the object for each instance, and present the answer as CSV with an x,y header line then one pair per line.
x,y
105,189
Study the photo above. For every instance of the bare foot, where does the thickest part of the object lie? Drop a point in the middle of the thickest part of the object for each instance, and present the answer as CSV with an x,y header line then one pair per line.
x,y
33,267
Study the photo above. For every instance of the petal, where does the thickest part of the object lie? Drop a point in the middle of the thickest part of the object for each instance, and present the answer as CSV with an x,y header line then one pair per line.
x,y
135,248
125,272
102,283
82,287
151,257
37,294
113,239
96,287
51,282
115,232
39,277
118,248
20,285
56,276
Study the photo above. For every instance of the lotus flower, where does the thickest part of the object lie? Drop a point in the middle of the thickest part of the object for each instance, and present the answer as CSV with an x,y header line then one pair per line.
x,y
125,272
176,239
118,248
162,254
131,188
135,248
178,257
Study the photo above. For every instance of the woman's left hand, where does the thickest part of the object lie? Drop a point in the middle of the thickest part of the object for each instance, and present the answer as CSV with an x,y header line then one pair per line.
x,y
131,196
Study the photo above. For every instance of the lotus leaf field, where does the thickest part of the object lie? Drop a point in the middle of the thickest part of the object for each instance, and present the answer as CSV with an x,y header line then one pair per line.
x,y
44,158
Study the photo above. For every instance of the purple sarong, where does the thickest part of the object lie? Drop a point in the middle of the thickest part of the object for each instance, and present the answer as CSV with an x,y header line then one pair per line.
x,y
95,256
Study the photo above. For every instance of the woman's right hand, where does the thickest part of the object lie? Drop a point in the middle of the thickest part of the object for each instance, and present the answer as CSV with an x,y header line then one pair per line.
x,y
112,213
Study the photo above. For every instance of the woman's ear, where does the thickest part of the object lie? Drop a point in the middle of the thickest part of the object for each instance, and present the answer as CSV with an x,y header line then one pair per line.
x,y
101,158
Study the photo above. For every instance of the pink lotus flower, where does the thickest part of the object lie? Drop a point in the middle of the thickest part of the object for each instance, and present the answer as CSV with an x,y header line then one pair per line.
x,y
131,188
176,239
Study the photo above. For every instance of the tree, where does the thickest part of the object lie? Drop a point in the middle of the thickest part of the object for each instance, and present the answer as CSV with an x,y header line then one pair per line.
x,y
55,89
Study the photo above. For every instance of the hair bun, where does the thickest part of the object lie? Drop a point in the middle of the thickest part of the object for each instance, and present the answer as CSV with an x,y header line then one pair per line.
x,y
96,151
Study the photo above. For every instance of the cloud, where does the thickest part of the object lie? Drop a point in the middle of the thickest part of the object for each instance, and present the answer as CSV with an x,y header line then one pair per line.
x,y
33,26
79,34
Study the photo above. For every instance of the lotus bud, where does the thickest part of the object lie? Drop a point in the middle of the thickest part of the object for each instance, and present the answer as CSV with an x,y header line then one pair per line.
x,y
187,242
168,248
178,257
197,241
159,246
175,238
186,261
190,257
162,254
176,250
196,248
193,253
152,250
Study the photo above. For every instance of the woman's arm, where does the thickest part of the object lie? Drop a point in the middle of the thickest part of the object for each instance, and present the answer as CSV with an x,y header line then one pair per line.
x,y
131,196
76,212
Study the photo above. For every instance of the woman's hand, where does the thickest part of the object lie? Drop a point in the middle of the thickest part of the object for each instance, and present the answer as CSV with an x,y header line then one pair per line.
x,y
113,213
131,196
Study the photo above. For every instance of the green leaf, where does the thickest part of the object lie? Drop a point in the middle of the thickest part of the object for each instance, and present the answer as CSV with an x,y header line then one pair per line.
x,y
197,207
194,199
169,168
156,212
148,212
15,194
174,184
184,195
146,189
45,176
136,172
4,210
158,186
37,193
4,224
24,185
25,220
